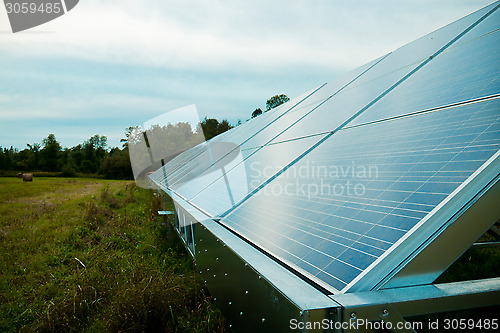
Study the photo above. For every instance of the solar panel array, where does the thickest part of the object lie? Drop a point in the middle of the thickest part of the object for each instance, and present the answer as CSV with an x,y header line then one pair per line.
x,y
329,182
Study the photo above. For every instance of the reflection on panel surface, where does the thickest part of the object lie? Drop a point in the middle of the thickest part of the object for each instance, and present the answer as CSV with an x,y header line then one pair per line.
x,y
254,169
332,181
381,79
465,71
345,203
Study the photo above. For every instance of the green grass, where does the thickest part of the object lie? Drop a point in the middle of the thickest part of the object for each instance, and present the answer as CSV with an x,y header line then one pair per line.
x,y
90,255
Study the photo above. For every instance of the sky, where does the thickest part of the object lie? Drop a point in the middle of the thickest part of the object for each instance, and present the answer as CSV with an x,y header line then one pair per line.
x,y
110,64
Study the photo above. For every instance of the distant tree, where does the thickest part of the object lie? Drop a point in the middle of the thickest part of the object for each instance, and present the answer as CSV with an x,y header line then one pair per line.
x,y
276,101
88,166
34,159
223,126
22,160
93,156
128,131
68,170
2,159
211,127
97,142
94,151
50,153
75,156
257,112
9,158
173,139
117,165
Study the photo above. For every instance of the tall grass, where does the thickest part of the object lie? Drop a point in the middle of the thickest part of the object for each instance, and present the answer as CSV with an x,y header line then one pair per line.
x,y
91,255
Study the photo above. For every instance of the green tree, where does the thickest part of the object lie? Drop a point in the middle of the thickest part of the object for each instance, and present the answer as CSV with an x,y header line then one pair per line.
x,y
68,170
276,101
9,158
211,127
128,131
94,152
117,165
257,112
223,126
2,159
75,156
22,160
50,153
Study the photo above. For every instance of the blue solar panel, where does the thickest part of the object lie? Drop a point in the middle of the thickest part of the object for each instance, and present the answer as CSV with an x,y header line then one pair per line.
x,y
187,166
336,179
364,188
382,78
233,184
465,71
266,127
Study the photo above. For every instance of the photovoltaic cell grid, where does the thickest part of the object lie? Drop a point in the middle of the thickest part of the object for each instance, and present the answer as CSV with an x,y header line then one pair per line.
x,y
402,170
314,114
342,199
180,170
257,167
264,129
384,75
471,74
207,193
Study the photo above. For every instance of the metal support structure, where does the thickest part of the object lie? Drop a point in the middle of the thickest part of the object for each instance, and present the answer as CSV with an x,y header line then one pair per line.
x,y
392,318
495,231
363,309
166,212
485,245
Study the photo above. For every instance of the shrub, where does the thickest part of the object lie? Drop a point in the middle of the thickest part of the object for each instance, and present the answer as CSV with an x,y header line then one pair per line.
x,y
68,170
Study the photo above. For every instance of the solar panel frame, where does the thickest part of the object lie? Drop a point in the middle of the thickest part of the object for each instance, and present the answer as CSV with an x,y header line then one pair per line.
x,y
382,269
438,119
474,73
425,231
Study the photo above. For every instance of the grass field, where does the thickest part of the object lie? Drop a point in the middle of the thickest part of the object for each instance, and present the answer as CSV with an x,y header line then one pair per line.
x,y
90,255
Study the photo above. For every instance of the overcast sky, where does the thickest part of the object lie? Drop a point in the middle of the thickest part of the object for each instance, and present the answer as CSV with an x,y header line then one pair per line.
x,y
110,64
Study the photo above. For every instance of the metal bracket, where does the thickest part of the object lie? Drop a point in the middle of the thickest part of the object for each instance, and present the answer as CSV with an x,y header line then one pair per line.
x,y
165,212
495,230
397,323
362,311
485,245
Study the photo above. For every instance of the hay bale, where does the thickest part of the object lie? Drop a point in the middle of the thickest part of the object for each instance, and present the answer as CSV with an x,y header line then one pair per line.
x,y
27,177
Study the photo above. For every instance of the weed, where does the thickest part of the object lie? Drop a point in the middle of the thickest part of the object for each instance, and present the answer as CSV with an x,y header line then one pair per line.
x,y
96,215
108,199
90,255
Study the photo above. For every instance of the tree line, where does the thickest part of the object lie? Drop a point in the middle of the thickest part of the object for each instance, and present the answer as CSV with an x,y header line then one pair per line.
x,y
93,156
271,103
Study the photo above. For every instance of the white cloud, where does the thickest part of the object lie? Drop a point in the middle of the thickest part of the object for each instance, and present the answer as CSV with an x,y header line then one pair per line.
x,y
224,35
224,56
